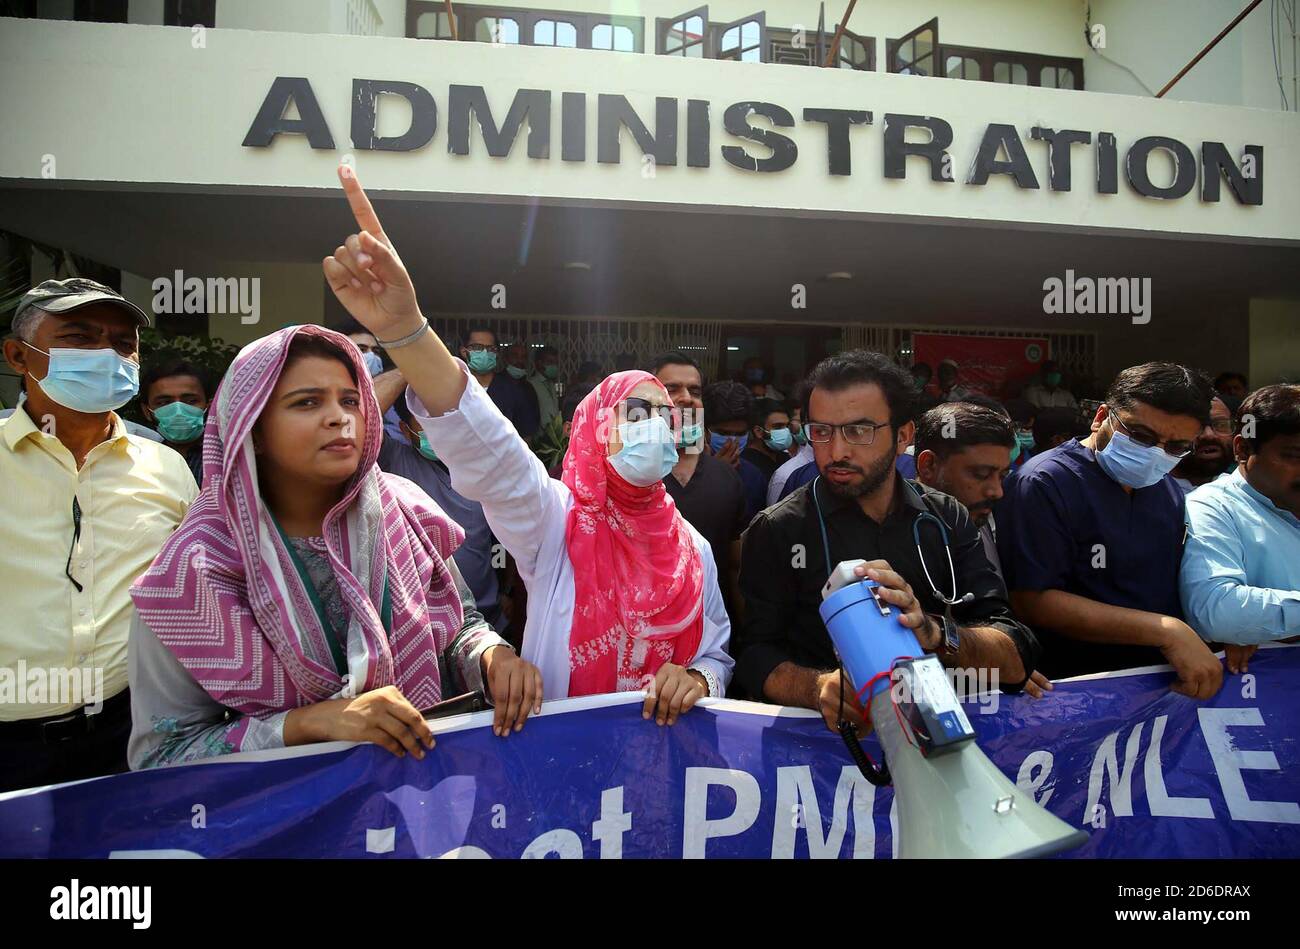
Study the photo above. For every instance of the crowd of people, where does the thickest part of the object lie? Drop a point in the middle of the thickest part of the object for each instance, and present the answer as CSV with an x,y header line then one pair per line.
x,y
353,527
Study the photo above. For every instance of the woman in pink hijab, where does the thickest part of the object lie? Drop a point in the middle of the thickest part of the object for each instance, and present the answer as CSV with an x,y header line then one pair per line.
x,y
306,596
622,592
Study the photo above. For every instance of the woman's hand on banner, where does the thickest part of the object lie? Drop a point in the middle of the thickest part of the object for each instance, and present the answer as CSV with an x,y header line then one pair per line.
x,y
382,716
515,687
366,274
674,690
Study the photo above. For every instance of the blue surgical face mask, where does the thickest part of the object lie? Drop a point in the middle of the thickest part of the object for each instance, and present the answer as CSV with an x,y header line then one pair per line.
x,y
1134,465
374,363
516,372
779,440
800,438
482,361
423,447
691,434
179,423
648,453
89,380
718,442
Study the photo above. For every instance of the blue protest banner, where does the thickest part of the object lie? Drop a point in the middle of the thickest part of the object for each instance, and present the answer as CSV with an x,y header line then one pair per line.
x,y
1146,772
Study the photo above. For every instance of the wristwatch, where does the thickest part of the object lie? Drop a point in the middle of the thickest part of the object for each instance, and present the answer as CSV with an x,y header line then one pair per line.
x,y
949,639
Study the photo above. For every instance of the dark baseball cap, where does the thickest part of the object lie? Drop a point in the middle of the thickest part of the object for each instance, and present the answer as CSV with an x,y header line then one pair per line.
x,y
64,296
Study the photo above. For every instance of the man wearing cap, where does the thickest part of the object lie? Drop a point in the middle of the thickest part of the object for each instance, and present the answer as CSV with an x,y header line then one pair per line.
x,y
85,508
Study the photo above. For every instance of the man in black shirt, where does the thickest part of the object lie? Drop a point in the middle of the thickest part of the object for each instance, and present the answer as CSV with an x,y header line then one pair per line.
x,y
857,418
707,491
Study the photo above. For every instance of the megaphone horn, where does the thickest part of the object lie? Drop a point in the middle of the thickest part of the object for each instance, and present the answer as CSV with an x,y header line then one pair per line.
x,y
952,800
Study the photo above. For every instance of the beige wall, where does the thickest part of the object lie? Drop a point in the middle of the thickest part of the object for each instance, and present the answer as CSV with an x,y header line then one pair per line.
x,y
295,16
1156,38
1274,341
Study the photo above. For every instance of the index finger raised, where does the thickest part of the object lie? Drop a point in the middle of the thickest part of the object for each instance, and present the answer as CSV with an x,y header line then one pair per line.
x,y
362,210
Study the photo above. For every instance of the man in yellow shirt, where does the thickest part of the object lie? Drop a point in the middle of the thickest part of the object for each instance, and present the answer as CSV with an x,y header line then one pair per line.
x,y
84,509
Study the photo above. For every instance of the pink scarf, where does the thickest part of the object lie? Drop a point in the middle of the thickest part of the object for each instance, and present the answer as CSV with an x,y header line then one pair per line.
x,y
638,577
224,596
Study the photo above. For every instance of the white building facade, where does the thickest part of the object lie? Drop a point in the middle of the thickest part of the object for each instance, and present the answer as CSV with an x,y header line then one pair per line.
x,y
630,176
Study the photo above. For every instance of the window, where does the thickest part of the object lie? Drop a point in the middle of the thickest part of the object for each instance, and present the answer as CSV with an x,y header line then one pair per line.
x,y
961,67
427,19
613,36
190,13
1014,73
918,51
1056,77
555,33
685,35
855,52
914,54
494,29
433,26
742,40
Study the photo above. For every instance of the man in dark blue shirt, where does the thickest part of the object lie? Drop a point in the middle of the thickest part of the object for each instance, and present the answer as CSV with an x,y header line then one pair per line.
x,y
519,406
1090,535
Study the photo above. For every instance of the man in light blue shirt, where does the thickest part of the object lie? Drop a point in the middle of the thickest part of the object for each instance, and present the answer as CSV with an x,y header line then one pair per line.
x,y
1240,575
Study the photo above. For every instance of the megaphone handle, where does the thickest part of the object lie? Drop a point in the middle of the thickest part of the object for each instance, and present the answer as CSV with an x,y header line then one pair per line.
x,y
879,777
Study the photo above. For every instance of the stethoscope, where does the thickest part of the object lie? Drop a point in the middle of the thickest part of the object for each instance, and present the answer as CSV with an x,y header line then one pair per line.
x,y
925,517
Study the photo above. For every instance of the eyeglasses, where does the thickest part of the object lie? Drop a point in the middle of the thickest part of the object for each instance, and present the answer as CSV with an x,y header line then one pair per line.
x,y
1222,425
855,433
1174,449
479,348
638,410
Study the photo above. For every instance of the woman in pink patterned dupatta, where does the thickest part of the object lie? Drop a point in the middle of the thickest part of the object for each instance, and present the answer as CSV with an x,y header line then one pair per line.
x,y
307,596
623,593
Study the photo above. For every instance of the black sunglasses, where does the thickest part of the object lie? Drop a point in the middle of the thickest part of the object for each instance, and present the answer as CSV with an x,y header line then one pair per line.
x,y
638,410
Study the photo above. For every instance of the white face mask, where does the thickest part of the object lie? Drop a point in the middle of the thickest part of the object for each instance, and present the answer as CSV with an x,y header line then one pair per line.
x,y
648,454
